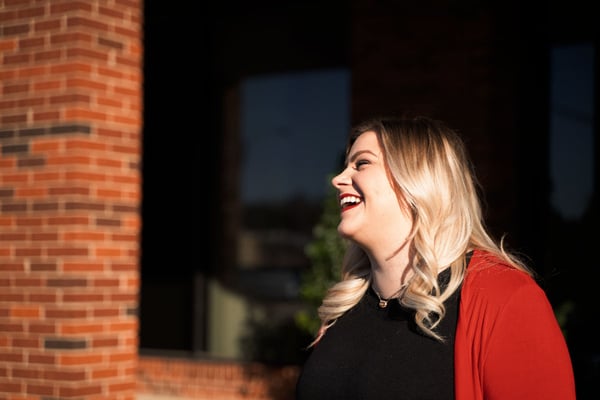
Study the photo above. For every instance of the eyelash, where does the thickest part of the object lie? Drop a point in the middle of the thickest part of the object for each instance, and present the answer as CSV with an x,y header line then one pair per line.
x,y
360,163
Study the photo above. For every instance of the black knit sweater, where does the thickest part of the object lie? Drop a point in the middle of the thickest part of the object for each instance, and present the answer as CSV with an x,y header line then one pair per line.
x,y
375,353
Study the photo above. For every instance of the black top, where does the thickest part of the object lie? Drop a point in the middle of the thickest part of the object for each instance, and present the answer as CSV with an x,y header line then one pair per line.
x,y
375,353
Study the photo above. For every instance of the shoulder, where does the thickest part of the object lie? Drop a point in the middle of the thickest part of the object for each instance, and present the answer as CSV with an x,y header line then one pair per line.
x,y
488,269
491,278
495,294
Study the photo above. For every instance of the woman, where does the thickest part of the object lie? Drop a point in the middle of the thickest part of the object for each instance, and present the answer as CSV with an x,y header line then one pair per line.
x,y
429,305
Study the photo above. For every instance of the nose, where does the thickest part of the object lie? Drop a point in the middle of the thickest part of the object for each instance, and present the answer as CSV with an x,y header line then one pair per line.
x,y
340,179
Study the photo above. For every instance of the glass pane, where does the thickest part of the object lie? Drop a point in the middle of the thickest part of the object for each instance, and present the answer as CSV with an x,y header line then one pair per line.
x,y
293,129
571,129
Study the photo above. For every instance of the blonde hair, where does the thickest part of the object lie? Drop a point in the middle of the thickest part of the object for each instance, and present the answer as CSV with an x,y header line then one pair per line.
x,y
428,166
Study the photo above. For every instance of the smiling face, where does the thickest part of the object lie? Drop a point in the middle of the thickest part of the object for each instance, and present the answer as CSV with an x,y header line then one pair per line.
x,y
371,213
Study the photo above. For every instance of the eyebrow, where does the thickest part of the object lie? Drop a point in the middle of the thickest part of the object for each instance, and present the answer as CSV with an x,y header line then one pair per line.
x,y
354,156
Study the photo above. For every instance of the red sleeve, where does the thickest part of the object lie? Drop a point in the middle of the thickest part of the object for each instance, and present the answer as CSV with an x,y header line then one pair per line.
x,y
508,342
527,357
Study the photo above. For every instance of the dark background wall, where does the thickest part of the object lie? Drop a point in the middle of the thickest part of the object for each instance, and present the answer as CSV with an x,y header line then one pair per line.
x,y
484,68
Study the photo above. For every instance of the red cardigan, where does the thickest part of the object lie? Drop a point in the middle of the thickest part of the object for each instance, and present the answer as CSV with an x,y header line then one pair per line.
x,y
508,345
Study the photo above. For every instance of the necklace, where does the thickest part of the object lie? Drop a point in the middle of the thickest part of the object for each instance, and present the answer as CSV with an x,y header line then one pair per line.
x,y
383,303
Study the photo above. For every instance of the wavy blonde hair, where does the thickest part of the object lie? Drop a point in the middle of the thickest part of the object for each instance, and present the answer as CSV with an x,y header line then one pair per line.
x,y
428,166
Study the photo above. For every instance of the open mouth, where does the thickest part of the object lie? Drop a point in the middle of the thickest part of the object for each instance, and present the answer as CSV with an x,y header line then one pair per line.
x,y
348,201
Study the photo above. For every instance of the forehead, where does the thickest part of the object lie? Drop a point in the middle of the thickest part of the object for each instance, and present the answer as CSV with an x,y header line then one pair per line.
x,y
366,141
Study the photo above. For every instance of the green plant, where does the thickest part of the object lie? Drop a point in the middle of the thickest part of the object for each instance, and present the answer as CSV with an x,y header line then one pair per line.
x,y
325,252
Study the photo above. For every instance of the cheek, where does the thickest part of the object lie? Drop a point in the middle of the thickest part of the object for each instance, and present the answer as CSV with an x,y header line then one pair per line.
x,y
385,193
388,205
384,208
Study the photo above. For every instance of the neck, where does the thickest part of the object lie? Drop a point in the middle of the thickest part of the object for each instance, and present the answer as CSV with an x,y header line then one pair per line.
x,y
389,276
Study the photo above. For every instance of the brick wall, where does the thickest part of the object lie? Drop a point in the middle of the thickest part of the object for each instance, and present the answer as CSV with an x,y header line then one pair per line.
x,y
169,378
458,64
70,123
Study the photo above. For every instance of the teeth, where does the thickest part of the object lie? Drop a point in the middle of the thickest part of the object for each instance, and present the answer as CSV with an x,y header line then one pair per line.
x,y
349,200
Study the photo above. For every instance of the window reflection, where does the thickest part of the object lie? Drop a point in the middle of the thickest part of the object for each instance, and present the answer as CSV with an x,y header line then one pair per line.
x,y
290,132
571,129
292,127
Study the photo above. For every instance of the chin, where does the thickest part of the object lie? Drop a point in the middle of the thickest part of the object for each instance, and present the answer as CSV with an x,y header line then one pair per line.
x,y
344,233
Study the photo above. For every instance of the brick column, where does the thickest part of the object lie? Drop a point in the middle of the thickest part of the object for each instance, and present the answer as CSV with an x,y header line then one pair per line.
x,y
70,128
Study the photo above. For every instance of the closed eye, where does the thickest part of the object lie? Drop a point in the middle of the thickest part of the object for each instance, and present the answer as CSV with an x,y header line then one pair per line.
x,y
361,163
